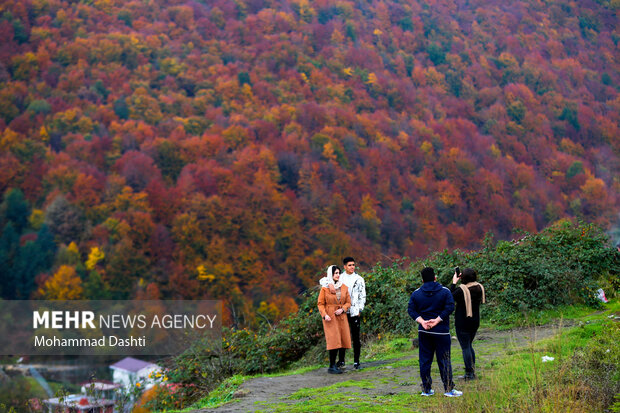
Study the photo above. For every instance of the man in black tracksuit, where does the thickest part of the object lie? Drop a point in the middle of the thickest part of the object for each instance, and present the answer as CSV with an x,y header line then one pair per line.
x,y
430,306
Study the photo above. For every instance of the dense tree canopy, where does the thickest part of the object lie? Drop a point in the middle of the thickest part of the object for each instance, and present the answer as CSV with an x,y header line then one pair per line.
x,y
233,149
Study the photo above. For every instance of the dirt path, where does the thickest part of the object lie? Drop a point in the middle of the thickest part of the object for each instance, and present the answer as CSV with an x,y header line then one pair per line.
x,y
388,376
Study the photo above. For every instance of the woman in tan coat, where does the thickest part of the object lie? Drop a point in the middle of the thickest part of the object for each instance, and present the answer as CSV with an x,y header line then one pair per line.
x,y
333,307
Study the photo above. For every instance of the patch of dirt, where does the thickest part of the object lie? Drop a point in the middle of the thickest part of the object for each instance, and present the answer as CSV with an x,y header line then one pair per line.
x,y
387,379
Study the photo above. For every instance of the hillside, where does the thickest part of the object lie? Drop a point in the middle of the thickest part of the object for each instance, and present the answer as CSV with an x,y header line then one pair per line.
x,y
185,149
508,363
542,276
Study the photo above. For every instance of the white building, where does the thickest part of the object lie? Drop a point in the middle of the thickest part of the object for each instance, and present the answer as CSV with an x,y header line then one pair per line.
x,y
130,371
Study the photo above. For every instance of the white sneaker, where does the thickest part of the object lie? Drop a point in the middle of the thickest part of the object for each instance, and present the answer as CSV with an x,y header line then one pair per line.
x,y
453,393
430,393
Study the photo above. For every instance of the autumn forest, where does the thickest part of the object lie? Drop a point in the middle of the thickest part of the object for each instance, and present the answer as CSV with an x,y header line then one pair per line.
x,y
232,149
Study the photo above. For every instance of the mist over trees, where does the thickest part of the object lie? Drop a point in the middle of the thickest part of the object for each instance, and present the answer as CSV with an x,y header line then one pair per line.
x,y
188,149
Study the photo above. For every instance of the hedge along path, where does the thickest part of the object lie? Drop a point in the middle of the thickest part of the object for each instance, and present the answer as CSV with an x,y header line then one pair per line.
x,y
379,378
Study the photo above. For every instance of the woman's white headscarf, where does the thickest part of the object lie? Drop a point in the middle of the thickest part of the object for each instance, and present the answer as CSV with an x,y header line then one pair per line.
x,y
330,276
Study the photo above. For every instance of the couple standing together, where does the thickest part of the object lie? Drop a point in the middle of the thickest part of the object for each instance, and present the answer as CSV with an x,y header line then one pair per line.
x,y
430,306
340,303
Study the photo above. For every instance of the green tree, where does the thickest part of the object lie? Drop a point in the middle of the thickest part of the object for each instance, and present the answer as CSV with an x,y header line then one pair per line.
x,y
95,288
39,106
436,53
9,243
31,259
16,209
121,109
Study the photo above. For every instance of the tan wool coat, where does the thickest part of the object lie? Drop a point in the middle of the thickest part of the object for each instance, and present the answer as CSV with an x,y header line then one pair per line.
x,y
337,333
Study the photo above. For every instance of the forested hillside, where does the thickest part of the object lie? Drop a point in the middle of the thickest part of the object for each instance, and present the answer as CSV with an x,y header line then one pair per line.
x,y
233,149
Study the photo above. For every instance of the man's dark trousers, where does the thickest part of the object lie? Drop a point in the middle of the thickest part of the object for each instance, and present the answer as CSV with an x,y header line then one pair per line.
x,y
429,345
355,327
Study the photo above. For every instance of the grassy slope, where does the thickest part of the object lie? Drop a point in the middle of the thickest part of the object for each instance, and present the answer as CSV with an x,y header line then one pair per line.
x,y
512,379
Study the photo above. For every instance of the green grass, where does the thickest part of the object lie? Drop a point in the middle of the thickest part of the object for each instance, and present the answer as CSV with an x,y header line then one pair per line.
x,y
336,389
224,393
522,382
539,317
386,347
221,395
517,380
37,392
353,400
8,360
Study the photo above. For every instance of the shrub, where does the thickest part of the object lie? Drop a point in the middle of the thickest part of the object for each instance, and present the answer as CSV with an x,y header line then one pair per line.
x,y
563,264
198,370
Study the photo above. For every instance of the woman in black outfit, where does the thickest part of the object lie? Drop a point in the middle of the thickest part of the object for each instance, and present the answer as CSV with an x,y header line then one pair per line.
x,y
467,298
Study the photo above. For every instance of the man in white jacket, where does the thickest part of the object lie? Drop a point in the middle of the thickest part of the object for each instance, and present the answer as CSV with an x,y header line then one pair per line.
x,y
357,291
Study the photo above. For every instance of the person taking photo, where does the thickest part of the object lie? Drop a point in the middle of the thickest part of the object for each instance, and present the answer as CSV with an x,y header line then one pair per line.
x,y
467,296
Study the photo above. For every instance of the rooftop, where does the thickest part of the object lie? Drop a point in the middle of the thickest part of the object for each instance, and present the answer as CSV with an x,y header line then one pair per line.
x,y
79,401
101,385
131,364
